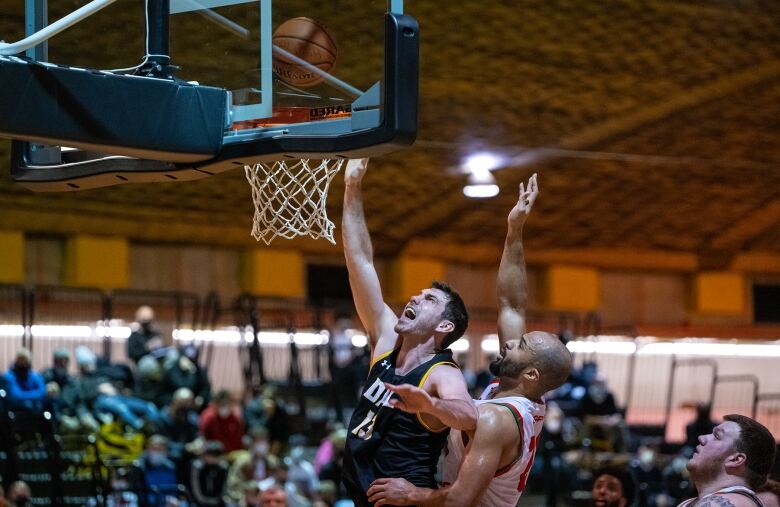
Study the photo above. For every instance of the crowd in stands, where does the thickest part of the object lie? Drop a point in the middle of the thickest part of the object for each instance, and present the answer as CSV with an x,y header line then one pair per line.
x,y
195,447
198,447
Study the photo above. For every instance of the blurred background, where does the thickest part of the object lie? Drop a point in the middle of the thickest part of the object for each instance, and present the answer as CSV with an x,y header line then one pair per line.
x,y
653,250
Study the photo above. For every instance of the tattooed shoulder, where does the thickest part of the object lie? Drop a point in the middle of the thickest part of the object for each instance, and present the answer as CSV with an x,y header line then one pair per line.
x,y
714,501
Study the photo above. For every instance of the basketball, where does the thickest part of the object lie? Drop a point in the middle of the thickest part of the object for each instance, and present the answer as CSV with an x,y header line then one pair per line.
x,y
309,41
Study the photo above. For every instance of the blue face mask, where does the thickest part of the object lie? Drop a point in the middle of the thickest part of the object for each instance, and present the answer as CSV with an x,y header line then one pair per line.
x,y
156,458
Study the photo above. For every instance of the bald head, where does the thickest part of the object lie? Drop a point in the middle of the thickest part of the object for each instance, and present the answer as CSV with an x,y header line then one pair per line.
x,y
538,360
144,314
551,358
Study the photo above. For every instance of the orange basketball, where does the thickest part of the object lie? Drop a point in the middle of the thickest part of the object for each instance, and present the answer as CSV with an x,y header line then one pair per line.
x,y
312,43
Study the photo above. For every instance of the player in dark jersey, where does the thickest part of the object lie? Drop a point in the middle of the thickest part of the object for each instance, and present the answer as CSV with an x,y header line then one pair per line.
x,y
410,349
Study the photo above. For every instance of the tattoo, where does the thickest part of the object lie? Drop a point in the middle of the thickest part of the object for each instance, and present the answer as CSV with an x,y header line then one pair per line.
x,y
714,501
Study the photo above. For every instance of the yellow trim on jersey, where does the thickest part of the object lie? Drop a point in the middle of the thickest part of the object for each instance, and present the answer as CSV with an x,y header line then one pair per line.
x,y
422,382
374,361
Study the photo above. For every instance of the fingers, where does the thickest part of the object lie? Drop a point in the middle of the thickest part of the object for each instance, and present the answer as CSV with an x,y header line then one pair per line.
x,y
376,492
401,388
399,404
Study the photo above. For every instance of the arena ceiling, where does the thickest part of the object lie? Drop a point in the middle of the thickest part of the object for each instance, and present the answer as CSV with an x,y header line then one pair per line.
x,y
653,126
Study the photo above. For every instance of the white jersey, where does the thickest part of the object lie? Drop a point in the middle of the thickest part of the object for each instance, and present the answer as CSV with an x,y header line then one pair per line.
x,y
509,482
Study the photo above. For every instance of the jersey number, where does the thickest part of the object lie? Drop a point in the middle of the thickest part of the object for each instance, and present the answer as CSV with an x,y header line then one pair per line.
x,y
365,429
524,475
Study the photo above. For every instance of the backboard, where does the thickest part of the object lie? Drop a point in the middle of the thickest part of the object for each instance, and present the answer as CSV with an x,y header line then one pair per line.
x,y
233,93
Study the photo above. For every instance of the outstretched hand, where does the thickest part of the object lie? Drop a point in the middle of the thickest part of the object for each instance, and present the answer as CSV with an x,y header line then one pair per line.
x,y
356,169
525,202
410,398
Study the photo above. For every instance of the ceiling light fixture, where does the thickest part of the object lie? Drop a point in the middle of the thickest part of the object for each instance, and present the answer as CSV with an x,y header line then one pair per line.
x,y
481,183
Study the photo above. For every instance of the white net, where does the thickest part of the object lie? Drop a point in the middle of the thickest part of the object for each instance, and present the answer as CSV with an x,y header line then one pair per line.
x,y
290,198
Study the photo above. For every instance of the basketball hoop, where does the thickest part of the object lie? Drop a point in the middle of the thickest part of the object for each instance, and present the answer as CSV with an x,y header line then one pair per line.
x,y
290,198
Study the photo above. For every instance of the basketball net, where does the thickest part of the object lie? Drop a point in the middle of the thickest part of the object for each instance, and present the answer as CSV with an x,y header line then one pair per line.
x,y
290,198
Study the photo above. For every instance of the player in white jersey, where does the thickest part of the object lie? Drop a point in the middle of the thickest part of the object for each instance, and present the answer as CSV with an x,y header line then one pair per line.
x,y
488,467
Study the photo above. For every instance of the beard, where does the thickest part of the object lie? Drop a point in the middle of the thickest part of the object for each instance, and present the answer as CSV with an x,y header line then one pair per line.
x,y
504,367
704,470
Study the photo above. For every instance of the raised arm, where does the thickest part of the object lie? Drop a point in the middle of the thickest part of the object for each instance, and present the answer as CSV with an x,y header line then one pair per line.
x,y
444,397
375,315
512,283
495,431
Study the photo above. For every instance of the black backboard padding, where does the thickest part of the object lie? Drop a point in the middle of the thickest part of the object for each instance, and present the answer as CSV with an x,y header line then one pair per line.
x,y
123,115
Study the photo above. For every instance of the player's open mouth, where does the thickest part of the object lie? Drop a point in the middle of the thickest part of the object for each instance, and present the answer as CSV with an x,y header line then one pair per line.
x,y
409,313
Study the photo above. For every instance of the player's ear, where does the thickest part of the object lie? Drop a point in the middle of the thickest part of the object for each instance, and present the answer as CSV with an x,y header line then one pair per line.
x,y
445,326
531,374
736,460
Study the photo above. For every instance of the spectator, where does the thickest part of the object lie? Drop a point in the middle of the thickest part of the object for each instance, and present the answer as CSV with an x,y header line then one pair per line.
x,y
208,479
327,449
26,388
249,465
221,422
144,337
273,497
250,496
612,487
649,476
179,423
80,394
149,386
92,391
185,371
331,471
769,493
19,495
159,471
59,370
300,472
701,425
598,400
268,410
133,411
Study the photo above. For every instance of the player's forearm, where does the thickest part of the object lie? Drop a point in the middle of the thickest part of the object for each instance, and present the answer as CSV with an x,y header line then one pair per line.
x,y
456,413
512,283
446,496
354,231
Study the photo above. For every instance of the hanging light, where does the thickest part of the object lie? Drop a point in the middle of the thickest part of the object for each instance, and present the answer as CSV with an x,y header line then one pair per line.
x,y
481,183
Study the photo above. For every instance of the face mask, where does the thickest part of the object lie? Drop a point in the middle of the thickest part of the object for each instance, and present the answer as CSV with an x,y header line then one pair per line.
x,y
22,370
261,448
156,458
296,454
598,394
22,501
223,412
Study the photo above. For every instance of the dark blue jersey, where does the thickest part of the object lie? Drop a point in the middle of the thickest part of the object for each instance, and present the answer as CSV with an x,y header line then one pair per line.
x,y
387,442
